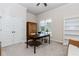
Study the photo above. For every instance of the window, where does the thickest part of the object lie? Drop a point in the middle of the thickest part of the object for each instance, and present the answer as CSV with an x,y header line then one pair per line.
x,y
71,29
45,25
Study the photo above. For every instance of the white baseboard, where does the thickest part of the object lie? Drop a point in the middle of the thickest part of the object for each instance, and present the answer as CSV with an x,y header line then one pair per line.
x,y
13,43
58,41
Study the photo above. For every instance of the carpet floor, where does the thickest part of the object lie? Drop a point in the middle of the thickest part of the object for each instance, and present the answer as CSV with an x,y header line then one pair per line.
x,y
52,49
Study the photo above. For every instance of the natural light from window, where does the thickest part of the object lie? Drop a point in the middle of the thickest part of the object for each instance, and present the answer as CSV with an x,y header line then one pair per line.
x,y
45,26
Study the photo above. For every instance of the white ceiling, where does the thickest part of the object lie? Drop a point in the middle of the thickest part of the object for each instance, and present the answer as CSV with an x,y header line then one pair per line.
x,y
31,7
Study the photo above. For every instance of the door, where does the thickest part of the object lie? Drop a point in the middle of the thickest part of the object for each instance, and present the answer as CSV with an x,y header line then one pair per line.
x,y
31,28
7,37
13,29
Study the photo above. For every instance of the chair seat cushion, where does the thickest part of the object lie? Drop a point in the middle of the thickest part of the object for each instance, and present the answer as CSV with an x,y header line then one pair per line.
x,y
73,50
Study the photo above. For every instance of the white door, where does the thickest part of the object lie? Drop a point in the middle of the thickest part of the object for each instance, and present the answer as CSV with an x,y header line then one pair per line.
x,y
17,31
7,27
12,30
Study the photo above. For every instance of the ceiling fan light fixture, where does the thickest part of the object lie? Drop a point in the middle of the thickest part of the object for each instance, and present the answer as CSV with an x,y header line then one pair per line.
x,y
38,4
45,4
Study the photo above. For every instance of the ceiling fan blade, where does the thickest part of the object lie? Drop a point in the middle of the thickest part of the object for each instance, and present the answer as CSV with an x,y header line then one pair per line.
x,y
38,4
45,4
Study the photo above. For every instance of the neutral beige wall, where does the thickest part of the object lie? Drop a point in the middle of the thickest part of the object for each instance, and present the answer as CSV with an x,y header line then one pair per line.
x,y
31,17
58,15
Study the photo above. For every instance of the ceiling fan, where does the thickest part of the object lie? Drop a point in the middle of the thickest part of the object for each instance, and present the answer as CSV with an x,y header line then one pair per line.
x,y
45,4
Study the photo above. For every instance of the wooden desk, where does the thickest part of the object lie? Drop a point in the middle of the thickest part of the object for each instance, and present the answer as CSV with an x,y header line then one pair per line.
x,y
37,36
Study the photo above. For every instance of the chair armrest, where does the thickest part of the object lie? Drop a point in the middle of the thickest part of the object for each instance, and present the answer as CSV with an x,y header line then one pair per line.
x,y
73,47
74,42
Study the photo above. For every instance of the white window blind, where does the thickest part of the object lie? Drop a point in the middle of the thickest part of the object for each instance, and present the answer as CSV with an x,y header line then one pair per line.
x,y
71,28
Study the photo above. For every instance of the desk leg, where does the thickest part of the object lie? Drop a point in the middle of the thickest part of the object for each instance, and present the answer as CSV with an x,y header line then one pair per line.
x,y
42,39
27,43
34,46
34,49
49,39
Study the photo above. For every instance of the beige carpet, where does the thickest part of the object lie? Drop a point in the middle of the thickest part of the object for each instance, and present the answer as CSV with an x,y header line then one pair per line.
x,y
52,49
